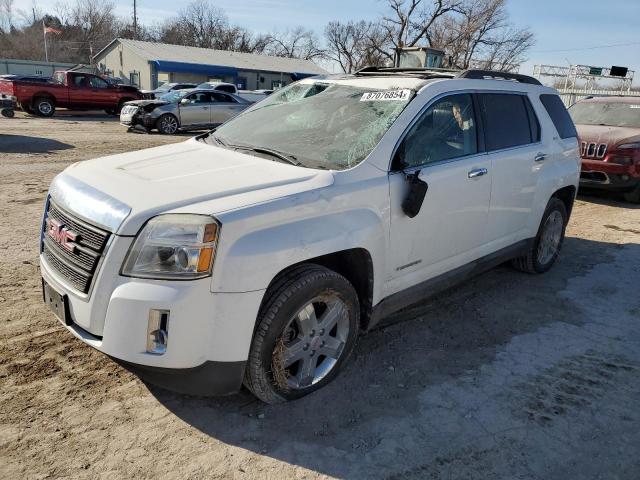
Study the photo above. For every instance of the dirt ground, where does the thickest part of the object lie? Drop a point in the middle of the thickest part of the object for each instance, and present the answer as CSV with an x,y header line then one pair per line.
x,y
506,376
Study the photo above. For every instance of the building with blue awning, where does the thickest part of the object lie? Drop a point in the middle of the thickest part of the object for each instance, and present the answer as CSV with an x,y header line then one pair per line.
x,y
149,64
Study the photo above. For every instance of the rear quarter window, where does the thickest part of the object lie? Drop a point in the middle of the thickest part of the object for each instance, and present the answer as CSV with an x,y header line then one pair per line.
x,y
559,115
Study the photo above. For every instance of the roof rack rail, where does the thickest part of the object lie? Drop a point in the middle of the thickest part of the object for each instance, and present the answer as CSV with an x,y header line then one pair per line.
x,y
477,74
423,72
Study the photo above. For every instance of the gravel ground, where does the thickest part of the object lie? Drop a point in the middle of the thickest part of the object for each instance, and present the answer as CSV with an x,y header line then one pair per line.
x,y
506,376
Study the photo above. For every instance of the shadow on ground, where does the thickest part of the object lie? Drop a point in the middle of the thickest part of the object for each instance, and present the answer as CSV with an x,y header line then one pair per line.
x,y
437,342
611,199
27,144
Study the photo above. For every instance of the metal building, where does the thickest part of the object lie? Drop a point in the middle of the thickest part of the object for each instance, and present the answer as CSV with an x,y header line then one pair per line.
x,y
149,64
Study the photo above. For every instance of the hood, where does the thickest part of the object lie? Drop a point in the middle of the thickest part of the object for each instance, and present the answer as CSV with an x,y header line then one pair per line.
x,y
135,186
127,88
144,103
611,136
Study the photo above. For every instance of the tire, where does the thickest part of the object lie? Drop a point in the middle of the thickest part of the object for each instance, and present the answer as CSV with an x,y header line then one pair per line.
x,y
110,111
550,234
292,354
121,103
8,113
633,196
167,124
44,106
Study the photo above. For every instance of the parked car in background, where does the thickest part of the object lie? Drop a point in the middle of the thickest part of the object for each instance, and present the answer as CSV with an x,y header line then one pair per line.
x,y
609,132
250,95
166,88
68,89
260,252
253,95
219,86
182,110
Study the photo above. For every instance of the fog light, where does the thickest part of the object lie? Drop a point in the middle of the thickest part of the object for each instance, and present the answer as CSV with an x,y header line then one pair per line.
x,y
158,331
625,178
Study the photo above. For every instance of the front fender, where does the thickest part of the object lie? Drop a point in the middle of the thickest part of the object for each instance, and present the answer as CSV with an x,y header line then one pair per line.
x,y
250,261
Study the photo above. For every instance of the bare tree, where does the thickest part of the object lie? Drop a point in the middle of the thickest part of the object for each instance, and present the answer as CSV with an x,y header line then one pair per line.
x,y
473,33
480,35
349,44
296,43
6,15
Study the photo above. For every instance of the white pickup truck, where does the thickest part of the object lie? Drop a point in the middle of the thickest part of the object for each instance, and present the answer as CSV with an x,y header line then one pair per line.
x,y
259,252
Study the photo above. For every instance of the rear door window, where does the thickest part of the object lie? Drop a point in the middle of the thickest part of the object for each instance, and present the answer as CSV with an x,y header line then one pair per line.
x,y
506,121
559,115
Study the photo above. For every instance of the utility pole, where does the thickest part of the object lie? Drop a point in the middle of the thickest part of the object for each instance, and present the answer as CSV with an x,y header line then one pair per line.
x,y
44,33
135,21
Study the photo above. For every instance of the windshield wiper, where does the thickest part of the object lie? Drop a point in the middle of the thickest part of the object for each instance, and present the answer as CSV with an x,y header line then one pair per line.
x,y
285,157
217,139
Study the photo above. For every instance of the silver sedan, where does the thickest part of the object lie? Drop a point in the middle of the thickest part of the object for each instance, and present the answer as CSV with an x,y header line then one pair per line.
x,y
182,110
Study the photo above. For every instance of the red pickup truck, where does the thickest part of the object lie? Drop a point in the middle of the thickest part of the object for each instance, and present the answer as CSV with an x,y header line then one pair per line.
x,y
72,90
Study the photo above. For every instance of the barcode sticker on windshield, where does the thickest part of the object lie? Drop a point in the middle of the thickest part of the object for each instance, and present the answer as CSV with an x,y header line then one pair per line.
x,y
386,95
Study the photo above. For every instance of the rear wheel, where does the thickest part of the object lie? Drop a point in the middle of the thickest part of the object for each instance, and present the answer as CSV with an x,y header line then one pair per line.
x,y
7,112
167,124
44,106
307,328
546,246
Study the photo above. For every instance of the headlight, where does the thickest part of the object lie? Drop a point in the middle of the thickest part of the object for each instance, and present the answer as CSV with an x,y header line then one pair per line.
x,y
173,247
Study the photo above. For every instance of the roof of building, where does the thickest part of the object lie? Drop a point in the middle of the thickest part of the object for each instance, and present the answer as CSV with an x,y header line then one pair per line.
x,y
165,52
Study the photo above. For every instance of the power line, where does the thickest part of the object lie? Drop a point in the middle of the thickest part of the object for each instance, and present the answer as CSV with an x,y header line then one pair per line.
x,y
587,48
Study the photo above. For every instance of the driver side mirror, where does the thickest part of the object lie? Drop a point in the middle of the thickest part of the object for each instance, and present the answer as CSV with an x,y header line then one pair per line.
x,y
412,203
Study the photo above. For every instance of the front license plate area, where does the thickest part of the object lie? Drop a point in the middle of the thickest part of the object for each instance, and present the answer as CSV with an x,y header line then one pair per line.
x,y
57,302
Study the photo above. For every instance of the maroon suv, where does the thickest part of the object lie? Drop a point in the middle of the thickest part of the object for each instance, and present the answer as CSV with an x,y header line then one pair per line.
x,y
609,133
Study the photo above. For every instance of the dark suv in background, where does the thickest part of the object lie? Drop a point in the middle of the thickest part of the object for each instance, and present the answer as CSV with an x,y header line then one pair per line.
x,y
609,133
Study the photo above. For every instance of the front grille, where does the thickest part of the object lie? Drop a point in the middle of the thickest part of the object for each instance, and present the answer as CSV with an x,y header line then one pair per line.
x,y
129,109
79,261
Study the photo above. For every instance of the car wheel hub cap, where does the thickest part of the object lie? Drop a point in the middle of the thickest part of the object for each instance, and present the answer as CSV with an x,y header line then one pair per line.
x,y
312,342
45,108
550,237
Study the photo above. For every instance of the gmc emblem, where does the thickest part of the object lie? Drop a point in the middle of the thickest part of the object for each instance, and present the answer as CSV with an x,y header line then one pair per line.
x,y
61,235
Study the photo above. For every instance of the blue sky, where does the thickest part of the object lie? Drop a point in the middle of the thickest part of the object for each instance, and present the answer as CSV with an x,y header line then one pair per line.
x,y
568,25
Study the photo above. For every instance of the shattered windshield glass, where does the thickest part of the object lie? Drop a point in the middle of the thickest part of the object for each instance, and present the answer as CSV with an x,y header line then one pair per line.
x,y
321,125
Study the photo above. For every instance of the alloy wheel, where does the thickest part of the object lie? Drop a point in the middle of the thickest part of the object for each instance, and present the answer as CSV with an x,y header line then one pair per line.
x,y
312,342
550,237
169,124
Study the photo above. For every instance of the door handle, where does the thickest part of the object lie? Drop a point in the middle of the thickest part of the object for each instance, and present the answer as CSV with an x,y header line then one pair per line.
x,y
540,157
477,172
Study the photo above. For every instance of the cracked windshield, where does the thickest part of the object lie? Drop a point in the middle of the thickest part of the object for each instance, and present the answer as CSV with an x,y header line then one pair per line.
x,y
318,125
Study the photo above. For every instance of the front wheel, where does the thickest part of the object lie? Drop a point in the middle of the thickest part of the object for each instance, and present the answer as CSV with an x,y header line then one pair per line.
x,y
307,328
546,246
167,124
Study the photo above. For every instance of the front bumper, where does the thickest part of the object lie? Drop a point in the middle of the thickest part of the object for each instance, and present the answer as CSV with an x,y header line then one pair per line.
x,y
209,334
609,176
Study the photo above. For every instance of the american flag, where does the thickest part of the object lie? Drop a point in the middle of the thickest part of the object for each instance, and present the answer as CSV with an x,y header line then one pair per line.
x,y
51,30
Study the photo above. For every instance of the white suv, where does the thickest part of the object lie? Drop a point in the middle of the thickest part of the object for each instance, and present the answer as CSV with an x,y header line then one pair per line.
x,y
259,252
